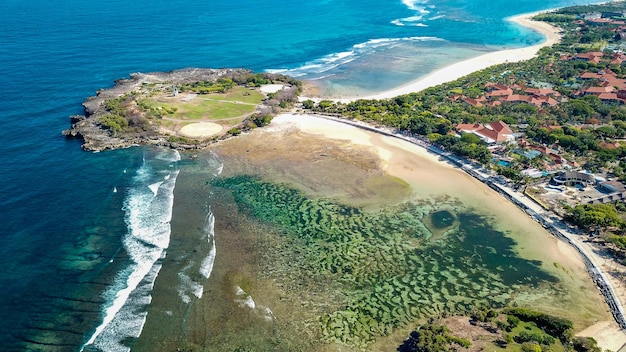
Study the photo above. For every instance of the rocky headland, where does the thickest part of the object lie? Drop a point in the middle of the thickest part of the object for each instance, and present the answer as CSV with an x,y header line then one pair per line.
x,y
142,109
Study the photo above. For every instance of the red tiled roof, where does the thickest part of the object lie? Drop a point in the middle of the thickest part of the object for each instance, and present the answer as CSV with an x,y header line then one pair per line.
x,y
598,90
496,86
517,97
499,93
542,91
610,96
495,131
473,102
468,127
500,127
607,145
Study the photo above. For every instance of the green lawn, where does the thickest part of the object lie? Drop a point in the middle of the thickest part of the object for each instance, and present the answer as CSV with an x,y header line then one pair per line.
x,y
211,106
210,109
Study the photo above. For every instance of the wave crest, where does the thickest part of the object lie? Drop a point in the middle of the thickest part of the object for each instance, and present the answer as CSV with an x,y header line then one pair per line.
x,y
316,69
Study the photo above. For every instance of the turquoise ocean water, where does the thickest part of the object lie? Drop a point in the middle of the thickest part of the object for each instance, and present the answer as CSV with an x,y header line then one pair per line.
x,y
83,233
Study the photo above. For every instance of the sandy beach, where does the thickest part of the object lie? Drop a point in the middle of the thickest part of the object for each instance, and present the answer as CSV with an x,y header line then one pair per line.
x,y
462,68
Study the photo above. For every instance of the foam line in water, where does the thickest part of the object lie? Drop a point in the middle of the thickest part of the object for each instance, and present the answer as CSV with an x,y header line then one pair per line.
x,y
207,263
148,216
188,286
320,67
415,5
155,187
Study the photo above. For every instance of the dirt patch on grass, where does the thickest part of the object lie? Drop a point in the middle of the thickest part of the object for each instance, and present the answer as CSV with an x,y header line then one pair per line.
x,y
201,130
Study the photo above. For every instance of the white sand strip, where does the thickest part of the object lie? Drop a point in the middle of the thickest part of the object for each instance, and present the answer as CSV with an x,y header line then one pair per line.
x,y
463,68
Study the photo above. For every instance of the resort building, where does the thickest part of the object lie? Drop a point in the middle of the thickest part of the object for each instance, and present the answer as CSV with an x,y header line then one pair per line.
x,y
592,56
493,132
574,178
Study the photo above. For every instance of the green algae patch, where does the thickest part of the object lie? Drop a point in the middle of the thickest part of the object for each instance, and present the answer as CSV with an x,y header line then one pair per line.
x,y
385,263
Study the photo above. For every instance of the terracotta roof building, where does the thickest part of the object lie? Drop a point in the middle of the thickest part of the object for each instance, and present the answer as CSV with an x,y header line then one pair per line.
x,y
493,132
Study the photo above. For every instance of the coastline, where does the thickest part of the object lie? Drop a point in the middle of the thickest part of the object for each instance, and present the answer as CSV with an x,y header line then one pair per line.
x,y
431,167
609,334
389,149
465,67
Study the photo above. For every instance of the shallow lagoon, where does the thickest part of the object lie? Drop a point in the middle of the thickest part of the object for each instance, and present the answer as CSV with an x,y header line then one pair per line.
x,y
319,247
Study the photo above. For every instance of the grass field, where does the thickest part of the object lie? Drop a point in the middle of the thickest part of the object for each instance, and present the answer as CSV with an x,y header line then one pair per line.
x,y
237,102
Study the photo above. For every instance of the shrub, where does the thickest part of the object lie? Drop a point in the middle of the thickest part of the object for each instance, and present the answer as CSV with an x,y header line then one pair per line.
x,y
113,122
234,131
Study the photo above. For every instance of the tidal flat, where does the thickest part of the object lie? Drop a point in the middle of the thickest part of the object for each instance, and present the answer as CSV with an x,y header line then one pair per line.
x,y
345,243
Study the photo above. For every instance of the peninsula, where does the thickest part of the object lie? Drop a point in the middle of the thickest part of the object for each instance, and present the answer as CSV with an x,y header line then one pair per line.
x,y
182,109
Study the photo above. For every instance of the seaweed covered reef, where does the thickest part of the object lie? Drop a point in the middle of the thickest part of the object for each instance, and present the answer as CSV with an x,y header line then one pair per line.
x,y
389,266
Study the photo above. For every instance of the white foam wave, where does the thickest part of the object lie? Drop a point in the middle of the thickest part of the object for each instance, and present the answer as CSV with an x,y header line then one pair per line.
x,y
189,286
131,317
414,5
148,216
420,9
244,300
269,315
207,263
320,67
155,187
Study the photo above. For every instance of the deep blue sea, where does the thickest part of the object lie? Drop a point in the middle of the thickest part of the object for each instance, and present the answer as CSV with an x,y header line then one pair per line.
x,y
79,229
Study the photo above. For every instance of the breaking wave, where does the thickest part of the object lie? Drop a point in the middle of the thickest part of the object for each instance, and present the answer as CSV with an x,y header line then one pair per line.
x,y
148,212
319,68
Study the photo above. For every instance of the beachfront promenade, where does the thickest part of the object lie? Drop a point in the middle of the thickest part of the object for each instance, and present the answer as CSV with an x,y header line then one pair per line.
x,y
547,219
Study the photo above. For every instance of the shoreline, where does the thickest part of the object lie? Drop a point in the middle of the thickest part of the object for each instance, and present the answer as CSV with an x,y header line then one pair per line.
x,y
462,68
608,333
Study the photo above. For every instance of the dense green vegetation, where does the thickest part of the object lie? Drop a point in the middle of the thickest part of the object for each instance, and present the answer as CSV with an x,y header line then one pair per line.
x,y
222,85
513,329
595,215
469,145
114,122
554,326
432,337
